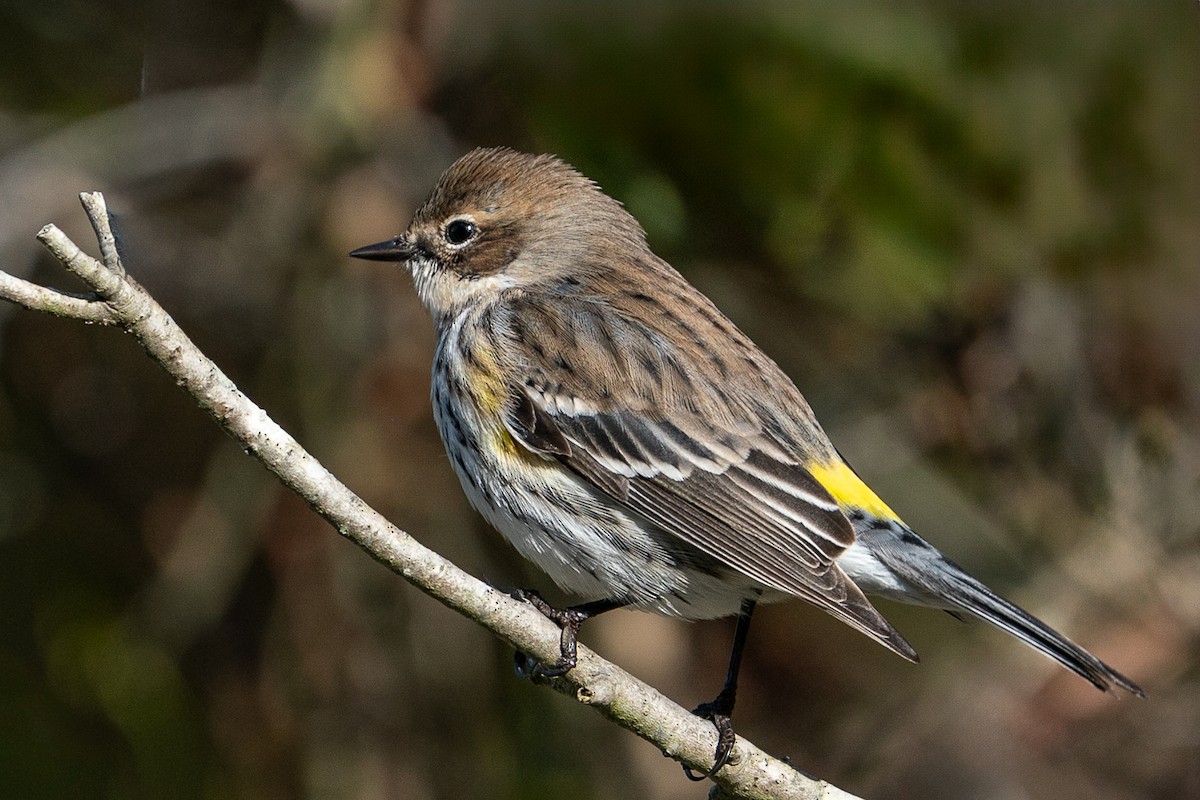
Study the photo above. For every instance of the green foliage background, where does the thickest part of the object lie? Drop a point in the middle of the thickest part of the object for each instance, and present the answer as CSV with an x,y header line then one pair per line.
x,y
968,230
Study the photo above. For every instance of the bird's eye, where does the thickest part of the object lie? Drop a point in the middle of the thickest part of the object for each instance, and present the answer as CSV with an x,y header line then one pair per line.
x,y
460,231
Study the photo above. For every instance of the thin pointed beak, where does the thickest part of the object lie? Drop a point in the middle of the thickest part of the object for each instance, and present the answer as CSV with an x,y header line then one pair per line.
x,y
398,249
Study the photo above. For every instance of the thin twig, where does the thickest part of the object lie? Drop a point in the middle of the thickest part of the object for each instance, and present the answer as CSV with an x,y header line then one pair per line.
x,y
52,301
97,211
594,682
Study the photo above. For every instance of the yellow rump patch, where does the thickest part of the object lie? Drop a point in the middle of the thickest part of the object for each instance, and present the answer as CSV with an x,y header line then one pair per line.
x,y
849,490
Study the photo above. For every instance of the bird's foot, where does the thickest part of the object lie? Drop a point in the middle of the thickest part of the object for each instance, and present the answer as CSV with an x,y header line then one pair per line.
x,y
569,620
719,712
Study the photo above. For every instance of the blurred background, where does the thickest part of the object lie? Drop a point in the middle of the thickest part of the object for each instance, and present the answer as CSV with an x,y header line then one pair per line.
x,y
968,230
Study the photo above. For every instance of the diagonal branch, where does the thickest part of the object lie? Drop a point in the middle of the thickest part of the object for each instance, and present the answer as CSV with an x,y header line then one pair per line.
x,y
594,682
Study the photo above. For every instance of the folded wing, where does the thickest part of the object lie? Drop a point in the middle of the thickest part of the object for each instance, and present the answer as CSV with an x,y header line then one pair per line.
x,y
736,496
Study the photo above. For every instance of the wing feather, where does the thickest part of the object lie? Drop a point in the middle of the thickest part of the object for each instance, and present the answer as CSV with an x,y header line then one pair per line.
x,y
769,520
640,408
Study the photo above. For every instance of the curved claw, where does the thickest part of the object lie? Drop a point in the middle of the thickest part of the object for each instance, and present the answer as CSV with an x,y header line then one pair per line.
x,y
719,710
527,667
560,667
568,620
725,740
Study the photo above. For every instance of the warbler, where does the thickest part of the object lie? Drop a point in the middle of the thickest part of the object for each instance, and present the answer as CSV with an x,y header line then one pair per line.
x,y
627,438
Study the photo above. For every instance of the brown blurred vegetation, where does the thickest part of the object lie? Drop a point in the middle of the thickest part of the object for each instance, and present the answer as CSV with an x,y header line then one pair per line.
x,y
968,230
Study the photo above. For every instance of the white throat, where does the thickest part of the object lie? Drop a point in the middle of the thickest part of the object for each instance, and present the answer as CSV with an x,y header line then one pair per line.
x,y
445,293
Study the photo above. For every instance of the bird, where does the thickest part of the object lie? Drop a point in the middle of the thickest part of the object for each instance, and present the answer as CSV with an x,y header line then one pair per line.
x,y
627,438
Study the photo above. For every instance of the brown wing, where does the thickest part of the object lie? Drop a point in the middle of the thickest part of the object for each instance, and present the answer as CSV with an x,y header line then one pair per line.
x,y
725,486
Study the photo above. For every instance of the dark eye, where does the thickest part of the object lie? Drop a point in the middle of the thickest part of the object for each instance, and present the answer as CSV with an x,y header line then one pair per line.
x,y
460,231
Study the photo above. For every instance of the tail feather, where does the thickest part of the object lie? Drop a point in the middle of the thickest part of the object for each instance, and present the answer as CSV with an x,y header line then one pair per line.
x,y
920,574
972,596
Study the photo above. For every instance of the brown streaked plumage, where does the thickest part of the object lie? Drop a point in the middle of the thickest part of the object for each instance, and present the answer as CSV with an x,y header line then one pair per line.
x,y
624,435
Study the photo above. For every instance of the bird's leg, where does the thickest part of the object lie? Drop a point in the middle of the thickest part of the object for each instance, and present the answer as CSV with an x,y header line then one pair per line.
x,y
569,620
720,709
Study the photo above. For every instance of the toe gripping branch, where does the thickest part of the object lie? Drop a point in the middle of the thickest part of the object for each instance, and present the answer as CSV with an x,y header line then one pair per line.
x,y
719,710
569,620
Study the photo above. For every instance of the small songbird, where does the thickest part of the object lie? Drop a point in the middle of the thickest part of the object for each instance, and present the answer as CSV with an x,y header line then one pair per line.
x,y
627,438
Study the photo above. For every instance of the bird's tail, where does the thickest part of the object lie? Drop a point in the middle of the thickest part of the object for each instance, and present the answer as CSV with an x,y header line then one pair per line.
x,y
926,577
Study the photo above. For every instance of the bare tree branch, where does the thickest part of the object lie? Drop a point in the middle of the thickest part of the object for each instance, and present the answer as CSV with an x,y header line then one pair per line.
x,y
52,301
594,682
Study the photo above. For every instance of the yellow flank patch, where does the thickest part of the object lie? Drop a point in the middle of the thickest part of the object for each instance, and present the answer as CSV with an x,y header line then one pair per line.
x,y
485,383
849,490
504,444
489,393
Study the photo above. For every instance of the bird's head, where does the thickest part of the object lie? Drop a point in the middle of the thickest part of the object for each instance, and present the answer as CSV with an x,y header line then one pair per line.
x,y
498,220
